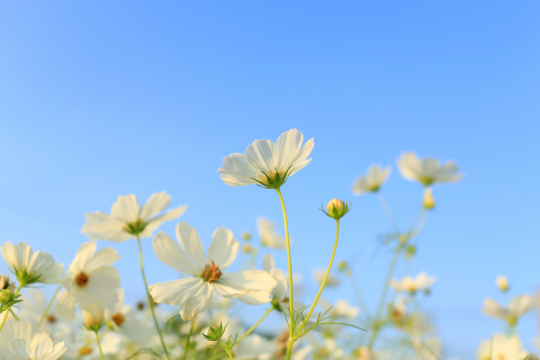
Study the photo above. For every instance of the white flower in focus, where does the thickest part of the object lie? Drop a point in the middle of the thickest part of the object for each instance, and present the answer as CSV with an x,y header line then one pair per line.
x,y
89,280
343,309
520,305
269,237
412,285
501,347
20,349
123,320
427,171
32,267
193,294
372,181
280,291
128,219
266,163
318,276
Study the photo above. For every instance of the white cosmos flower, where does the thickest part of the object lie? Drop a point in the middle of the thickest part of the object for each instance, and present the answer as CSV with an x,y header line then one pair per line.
x,y
32,267
318,275
20,349
269,237
372,181
501,347
128,219
427,171
280,291
25,330
123,320
193,294
520,305
410,284
255,347
266,163
89,280
343,309
82,349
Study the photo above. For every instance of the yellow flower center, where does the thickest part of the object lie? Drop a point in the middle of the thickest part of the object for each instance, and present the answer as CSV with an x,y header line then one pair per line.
x,y
118,319
85,350
82,279
211,273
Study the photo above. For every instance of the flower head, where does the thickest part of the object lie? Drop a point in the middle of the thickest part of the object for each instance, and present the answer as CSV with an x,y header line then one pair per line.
x,y
427,171
23,340
122,318
412,285
266,163
318,276
269,237
90,280
32,267
519,306
193,294
336,209
372,181
128,220
280,291
501,347
94,314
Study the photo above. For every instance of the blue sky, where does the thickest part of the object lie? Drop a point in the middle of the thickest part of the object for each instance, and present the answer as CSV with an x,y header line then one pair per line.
x,y
99,99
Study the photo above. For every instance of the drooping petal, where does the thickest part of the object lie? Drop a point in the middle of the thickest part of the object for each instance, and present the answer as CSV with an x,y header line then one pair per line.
x,y
126,208
268,263
191,294
197,303
189,240
256,297
171,254
223,249
101,226
261,154
249,279
157,203
229,291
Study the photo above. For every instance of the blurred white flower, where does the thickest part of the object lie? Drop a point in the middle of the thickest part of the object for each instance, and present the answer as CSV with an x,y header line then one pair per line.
x,y
24,330
266,163
83,349
255,347
410,284
519,305
30,267
280,291
429,348
94,314
128,219
20,349
193,294
89,280
343,309
427,171
123,320
501,347
269,237
318,276
372,181
328,350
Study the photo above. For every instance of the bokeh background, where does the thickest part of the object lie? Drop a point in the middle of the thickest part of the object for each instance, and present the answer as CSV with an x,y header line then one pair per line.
x,y
101,98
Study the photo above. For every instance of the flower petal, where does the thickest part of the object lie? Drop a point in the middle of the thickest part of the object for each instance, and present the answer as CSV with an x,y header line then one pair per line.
x,y
189,239
157,203
101,226
126,208
101,258
171,254
287,146
21,348
223,249
154,223
268,263
236,170
261,155
66,306
83,256
249,279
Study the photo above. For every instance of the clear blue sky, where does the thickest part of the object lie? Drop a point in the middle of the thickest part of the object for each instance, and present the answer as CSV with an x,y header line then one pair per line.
x,y
101,98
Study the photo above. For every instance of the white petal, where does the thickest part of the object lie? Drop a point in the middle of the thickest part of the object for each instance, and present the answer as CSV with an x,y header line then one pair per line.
x,y
249,279
223,249
175,292
103,257
126,208
154,223
229,291
261,154
409,166
66,306
287,146
157,203
83,256
256,297
236,170
171,254
21,347
300,161
268,263
101,226
189,239
521,304
280,291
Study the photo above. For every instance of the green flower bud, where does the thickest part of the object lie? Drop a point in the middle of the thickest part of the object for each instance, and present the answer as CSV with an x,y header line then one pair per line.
x,y
6,296
336,209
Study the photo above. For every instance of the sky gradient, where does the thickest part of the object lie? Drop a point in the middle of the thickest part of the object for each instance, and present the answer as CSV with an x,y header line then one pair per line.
x,y
100,99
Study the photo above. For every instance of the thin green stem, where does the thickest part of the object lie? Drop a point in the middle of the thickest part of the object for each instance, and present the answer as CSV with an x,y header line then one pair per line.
x,y
99,345
51,302
289,261
255,326
229,353
8,310
186,349
359,297
290,344
150,301
323,282
387,210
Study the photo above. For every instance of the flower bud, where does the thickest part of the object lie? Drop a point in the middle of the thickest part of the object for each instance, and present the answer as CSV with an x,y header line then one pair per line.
x,y
6,296
246,236
246,248
335,204
93,316
429,201
502,283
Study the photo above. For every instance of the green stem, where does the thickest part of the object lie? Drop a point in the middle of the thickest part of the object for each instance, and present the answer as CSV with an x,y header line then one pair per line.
x,y
99,345
186,349
8,310
324,280
255,326
289,349
50,304
291,301
150,301
229,353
